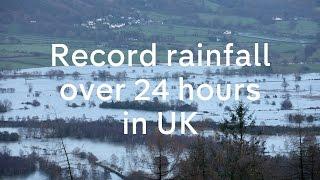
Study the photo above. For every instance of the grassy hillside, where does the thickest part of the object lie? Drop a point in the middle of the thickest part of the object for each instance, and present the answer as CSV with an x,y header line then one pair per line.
x,y
28,28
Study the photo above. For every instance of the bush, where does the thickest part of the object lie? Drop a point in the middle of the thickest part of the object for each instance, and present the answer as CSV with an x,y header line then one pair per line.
x,y
55,73
73,105
34,103
310,118
150,105
9,137
227,108
296,118
58,88
92,158
286,105
75,75
5,106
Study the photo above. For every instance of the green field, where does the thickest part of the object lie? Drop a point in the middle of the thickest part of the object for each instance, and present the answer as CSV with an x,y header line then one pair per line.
x,y
35,50
300,27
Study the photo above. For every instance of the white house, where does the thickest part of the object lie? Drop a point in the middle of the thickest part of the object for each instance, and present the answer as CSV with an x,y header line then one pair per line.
x,y
276,18
227,32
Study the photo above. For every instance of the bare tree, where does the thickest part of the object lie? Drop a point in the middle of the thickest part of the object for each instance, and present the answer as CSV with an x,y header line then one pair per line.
x,y
284,84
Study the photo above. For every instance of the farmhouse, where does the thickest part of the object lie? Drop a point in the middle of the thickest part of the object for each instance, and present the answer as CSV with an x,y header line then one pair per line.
x,y
276,18
227,32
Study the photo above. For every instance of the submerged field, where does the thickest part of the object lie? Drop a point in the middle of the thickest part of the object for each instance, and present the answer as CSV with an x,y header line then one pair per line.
x,y
304,94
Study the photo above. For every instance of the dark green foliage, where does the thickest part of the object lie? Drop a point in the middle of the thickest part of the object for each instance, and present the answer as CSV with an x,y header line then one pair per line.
x,y
8,137
34,103
149,106
286,105
238,122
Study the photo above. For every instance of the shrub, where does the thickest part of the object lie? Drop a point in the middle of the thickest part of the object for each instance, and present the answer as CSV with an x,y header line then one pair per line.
x,y
73,105
9,137
34,103
296,118
286,105
55,73
154,105
75,75
58,88
310,118
92,158
5,106
227,108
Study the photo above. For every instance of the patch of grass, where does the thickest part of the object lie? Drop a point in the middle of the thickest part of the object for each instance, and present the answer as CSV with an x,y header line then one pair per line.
x,y
301,27
293,68
212,6
315,56
227,20
39,48
285,47
160,17
24,62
